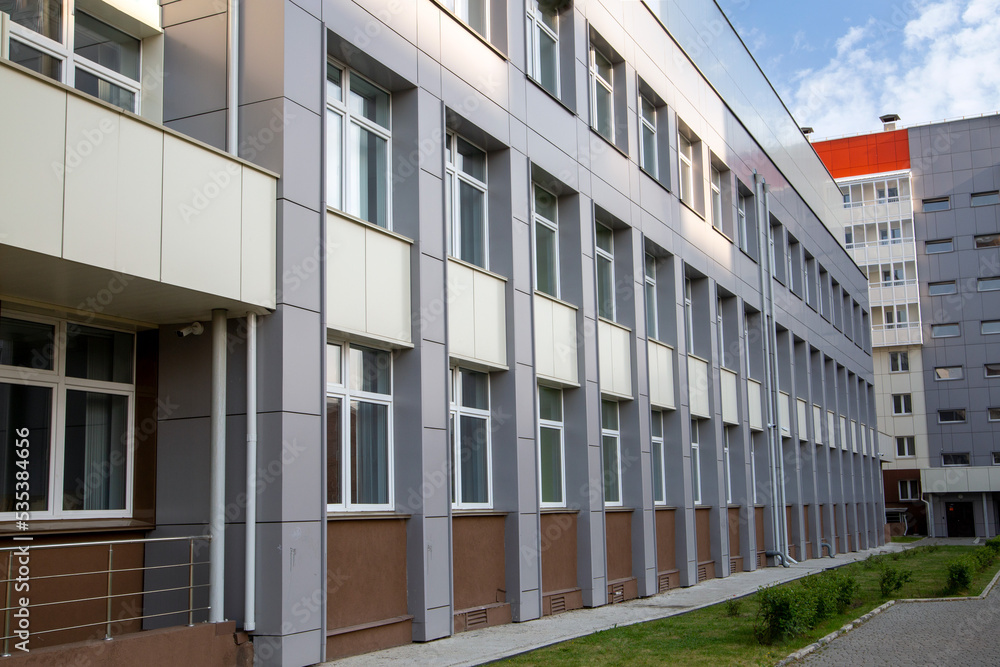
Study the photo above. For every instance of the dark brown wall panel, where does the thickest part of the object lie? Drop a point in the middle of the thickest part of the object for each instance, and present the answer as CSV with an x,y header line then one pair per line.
x,y
558,544
478,558
366,571
666,547
734,532
702,518
618,535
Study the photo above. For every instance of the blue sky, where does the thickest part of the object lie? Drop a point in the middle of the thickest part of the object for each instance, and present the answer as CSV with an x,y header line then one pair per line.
x,y
840,65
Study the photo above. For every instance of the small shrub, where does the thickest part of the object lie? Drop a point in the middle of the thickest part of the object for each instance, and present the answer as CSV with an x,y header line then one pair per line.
x,y
783,612
931,548
960,573
983,558
733,606
872,562
892,579
845,588
993,544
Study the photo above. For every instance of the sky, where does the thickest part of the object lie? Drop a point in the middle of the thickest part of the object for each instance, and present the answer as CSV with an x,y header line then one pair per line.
x,y
840,65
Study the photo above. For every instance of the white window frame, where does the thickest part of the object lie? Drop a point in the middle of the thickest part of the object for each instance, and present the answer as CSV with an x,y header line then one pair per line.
x,y
657,441
695,462
64,51
344,392
559,426
597,80
652,313
689,314
956,465
457,411
993,414
539,219
909,448
987,373
342,108
753,471
741,221
948,369
685,157
616,434
716,184
720,325
536,24
726,464
954,421
647,125
60,384
746,341
901,359
456,176
907,488
905,404
460,8
608,256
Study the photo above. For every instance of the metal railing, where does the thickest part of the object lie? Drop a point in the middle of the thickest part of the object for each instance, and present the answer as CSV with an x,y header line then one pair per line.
x,y
190,564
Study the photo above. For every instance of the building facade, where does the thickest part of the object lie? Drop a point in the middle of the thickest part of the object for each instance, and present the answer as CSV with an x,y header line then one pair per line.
x,y
382,321
924,226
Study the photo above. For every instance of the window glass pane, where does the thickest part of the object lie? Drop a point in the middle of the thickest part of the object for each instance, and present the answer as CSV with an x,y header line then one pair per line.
x,y
475,390
648,111
334,87
992,370
26,344
939,289
95,465
550,449
546,12
658,491
932,247
651,328
609,415
604,238
994,414
42,16
370,370
334,444
335,159
369,453
545,261
548,66
649,150
602,111
369,101
472,212
650,267
333,365
107,46
368,177
549,404
988,241
985,198
470,160
988,284
545,204
98,354
991,327
35,60
25,407
931,205
473,459
944,330
602,65
605,288
475,15
948,373
657,428
612,493
105,90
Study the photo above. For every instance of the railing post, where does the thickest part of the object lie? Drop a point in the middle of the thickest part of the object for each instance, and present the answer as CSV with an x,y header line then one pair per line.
x,y
190,581
111,562
6,613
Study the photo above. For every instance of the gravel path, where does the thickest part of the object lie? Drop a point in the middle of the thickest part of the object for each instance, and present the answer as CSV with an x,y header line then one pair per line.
x,y
959,632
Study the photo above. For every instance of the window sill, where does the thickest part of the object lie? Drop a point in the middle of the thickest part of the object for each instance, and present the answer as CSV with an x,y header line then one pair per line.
x,y
456,512
617,508
558,510
692,209
548,92
482,38
665,507
655,179
358,516
613,145
723,234
73,526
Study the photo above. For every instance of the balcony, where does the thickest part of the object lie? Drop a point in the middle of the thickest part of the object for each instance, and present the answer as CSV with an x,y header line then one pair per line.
x,y
555,341
615,359
755,405
906,333
801,411
477,315
100,201
661,375
730,412
880,210
883,251
698,387
784,414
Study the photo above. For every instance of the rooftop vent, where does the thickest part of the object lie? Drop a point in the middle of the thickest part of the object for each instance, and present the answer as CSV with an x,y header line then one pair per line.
x,y
889,121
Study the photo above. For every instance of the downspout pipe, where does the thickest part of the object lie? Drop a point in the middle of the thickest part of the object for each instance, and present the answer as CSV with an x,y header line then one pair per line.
x,y
780,556
232,87
829,549
930,515
217,490
250,582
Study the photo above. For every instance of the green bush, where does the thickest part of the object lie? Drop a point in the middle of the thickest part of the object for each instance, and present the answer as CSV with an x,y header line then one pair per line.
x,y
892,579
783,612
872,562
845,589
993,545
960,573
983,558
733,606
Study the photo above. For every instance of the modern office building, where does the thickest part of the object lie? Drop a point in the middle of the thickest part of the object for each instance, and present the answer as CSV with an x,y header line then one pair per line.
x,y
345,324
924,226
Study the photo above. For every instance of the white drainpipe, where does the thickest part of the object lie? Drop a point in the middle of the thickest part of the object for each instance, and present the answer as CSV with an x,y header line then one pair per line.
x,y
249,613
232,88
217,499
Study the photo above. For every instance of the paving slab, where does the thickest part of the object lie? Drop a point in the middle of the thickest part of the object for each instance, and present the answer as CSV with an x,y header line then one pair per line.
x,y
477,647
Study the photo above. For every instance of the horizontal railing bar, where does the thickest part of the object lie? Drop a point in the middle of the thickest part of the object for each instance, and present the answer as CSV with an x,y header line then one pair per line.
x,y
120,620
105,572
144,540
105,597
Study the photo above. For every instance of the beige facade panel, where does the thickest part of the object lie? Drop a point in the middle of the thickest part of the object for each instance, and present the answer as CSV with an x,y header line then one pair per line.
x,y
616,360
477,319
755,405
730,411
258,274
698,387
784,414
368,281
978,479
555,341
831,428
801,412
661,375
817,424
843,432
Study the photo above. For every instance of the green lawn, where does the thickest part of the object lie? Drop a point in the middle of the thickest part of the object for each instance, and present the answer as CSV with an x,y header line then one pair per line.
x,y
907,538
711,637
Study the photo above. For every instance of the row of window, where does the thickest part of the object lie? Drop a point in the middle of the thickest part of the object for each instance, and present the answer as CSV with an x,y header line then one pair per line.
x,y
906,448
946,287
954,329
902,404
938,246
936,204
61,41
899,362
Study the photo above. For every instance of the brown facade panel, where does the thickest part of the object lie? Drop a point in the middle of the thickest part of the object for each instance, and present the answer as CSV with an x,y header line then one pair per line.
x,y
51,592
734,531
478,559
618,540
702,522
758,517
366,596
666,540
201,644
558,545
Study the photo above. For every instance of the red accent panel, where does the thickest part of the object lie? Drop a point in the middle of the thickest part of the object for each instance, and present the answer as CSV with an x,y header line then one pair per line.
x,y
866,154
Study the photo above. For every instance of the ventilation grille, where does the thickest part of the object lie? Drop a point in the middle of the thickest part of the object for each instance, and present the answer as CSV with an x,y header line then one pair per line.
x,y
702,573
732,565
476,618
617,593
557,604
663,585
760,561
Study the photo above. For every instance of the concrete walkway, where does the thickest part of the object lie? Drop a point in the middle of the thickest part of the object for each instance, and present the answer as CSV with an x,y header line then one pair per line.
x,y
481,646
959,632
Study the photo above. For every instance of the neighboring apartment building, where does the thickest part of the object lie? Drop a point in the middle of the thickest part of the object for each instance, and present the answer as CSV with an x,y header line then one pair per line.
x,y
924,225
515,307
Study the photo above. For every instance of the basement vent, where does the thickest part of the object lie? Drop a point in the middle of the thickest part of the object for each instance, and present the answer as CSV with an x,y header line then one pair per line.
x,y
760,561
557,604
617,593
663,584
732,565
474,619
702,573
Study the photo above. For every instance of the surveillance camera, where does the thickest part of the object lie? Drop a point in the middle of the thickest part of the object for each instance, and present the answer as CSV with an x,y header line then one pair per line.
x,y
193,329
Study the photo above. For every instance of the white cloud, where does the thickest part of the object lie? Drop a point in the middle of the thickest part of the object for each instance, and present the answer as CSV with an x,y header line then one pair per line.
x,y
946,63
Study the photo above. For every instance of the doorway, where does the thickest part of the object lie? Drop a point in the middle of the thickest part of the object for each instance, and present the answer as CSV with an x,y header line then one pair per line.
x,y
960,520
